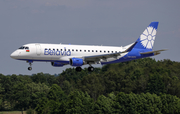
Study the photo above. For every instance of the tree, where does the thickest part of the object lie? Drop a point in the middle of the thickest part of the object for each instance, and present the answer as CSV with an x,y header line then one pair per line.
x,y
104,104
39,78
92,85
21,96
156,84
36,91
52,103
78,102
170,104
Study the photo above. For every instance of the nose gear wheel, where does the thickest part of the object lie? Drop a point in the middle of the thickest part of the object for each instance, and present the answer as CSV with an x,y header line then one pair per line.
x,y
30,64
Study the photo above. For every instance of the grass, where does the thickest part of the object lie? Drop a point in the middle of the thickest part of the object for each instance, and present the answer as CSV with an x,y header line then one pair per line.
x,y
12,112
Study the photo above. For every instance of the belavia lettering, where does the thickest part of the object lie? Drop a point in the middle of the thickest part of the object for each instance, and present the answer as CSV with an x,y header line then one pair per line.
x,y
58,53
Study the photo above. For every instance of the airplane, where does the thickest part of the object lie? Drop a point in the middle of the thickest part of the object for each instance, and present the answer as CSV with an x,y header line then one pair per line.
x,y
78,55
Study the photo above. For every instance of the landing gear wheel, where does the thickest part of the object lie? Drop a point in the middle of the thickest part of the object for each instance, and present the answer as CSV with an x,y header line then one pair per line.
x,y
30,64
78,69
29,68
90,69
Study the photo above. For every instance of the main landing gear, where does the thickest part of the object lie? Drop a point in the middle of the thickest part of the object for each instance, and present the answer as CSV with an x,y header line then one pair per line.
x,y
90,69
78,69
30,64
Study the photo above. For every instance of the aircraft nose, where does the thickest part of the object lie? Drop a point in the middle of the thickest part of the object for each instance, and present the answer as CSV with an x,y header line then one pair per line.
x,y
14,55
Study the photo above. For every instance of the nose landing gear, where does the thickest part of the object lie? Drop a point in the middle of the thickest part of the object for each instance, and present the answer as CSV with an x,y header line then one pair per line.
x,y
30,64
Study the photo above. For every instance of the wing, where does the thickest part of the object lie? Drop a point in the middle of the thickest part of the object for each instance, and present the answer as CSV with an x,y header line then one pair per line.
x,y
105,56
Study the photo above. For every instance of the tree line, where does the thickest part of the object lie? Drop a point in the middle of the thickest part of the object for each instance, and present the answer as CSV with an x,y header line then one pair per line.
x,y
141,86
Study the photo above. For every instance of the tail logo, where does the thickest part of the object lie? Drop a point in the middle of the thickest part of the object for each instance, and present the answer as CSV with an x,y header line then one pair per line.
x,y
147,37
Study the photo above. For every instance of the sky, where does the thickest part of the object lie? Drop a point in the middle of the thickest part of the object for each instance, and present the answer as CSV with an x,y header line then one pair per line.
x,y
84,22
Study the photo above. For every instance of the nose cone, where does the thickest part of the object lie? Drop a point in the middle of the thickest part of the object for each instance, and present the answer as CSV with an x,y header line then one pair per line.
x,y
14,55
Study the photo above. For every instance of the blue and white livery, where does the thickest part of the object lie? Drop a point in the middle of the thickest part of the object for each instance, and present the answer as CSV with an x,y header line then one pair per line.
x,y
78,55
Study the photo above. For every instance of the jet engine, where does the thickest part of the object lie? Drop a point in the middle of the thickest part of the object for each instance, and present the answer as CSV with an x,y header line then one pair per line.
x,y
57,64
76,62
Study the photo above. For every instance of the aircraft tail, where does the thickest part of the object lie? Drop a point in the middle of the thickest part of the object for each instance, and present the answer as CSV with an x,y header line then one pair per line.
x,y
147,38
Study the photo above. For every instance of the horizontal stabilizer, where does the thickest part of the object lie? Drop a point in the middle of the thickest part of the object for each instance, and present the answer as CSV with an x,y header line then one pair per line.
x,y
155,52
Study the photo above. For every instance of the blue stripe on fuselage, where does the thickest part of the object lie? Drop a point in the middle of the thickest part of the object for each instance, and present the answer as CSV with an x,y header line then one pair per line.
x,y
132,55
64,62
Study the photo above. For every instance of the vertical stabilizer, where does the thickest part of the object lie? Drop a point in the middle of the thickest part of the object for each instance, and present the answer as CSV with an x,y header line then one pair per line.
x,y
147,38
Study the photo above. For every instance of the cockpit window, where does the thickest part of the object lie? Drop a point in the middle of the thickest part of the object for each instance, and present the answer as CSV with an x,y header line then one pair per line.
x,y
22,47
26,47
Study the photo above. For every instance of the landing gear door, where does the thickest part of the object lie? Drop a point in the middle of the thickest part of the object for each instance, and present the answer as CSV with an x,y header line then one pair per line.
x,y
38,49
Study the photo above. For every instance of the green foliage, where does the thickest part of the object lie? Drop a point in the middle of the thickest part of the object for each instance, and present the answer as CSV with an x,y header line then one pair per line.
x,y
79,103
146,104
52,103
156,84
104,104
139,86
92,85
170,104
30,111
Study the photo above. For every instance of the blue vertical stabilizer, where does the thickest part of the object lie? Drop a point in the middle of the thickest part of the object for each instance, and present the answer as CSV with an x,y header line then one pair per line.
x,y
147,38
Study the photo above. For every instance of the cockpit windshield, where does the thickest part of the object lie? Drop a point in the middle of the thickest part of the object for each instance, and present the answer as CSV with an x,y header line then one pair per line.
x,y
23,47
26,47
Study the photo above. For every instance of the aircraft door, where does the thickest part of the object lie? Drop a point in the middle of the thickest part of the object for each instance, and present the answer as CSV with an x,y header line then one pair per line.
x,y
38,49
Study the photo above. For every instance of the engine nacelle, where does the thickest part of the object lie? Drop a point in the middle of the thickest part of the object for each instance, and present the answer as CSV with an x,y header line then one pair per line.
x,y
76,62
57,64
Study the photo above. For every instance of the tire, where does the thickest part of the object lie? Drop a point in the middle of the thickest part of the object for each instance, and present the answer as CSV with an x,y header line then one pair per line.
x,y
29,68
90,69
78,69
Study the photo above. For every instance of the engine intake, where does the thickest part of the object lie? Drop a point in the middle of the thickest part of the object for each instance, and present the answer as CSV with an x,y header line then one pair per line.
x,y
76,62
57,64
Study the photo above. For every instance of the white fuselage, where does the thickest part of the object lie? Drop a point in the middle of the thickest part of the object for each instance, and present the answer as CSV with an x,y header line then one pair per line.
x,y
78,55
61,52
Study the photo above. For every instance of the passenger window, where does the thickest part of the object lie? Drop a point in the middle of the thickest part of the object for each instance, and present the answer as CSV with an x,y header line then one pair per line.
x,y
61,49
84,50
96,51
112,51
68,49
76,50
100,50
104,51
108,51
45,48
64,49
49,48
80,50
116,52
72,49
54,49
92,50
88,50
57,49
